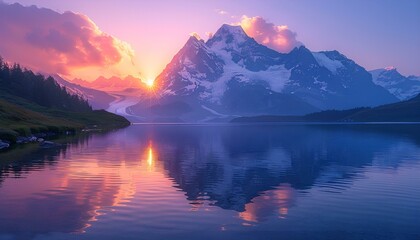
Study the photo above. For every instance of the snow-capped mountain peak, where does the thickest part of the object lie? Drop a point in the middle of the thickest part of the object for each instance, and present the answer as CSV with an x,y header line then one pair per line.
x,y
232,74
230,33
192,65
400,86
228,37
390,68
390,73
195,41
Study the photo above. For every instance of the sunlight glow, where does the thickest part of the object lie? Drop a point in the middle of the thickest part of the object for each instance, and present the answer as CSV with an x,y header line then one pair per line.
x,y
150,157
150,82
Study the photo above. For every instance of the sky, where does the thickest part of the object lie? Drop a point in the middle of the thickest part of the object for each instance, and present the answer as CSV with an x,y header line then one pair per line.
x,y
141,37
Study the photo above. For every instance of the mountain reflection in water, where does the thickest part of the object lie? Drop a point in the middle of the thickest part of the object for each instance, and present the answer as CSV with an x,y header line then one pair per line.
x,y
221,180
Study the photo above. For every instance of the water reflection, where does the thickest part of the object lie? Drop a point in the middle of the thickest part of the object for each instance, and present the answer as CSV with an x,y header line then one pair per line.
x,y
68,197
273,202
232,166
261,173
150,158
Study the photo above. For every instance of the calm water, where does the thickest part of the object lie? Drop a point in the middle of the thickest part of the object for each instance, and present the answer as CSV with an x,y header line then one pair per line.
x,y
217,182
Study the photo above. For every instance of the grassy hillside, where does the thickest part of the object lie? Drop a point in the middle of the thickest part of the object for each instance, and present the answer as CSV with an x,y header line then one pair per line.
x,y
29,119
32,103
405,111
19,117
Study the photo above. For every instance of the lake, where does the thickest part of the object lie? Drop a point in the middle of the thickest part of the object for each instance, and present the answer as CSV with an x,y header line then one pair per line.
x,y
249,181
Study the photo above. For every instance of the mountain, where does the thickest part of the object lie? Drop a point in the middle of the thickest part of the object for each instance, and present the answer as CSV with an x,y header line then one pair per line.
x,y
96,98
113,94
112,84
330,80
233,75
404,111
414,78
400,86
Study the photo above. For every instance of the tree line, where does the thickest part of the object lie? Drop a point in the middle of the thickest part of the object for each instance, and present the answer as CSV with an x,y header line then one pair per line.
x,y
36,88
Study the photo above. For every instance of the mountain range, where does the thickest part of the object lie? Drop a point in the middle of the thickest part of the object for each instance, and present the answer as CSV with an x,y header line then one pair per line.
x,y
402,87
232,75
113,94
98,99
112,84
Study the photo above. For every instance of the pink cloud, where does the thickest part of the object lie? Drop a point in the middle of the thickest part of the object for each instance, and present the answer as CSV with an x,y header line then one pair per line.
x,y
279,38
209,35
52,42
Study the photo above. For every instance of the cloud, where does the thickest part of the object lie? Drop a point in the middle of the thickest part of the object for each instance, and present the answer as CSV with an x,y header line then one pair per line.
x,y
209,35
47,41
221,11
196,35
279,38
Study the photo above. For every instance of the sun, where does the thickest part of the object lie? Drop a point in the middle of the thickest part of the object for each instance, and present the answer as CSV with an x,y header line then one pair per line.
x,y
150,82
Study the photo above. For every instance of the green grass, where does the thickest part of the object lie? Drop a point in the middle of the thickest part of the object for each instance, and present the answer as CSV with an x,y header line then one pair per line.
x,y
20,117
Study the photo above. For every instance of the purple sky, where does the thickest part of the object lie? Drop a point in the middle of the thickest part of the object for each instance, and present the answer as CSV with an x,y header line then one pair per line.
x,y
374,33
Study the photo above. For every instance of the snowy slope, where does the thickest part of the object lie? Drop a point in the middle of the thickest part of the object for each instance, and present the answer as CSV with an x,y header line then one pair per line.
x,y
400,86
330,64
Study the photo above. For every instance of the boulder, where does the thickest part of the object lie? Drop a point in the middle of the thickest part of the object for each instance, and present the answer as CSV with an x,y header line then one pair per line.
x,y
49,144
3,145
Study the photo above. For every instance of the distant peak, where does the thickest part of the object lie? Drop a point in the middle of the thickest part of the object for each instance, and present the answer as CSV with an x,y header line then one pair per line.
x,y
196,36
101,78
132,78
390,68
195,41
228,34
300,50
388,72
231,29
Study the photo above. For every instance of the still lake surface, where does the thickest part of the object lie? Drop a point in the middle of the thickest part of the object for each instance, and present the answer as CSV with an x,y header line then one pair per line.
x,y
217,182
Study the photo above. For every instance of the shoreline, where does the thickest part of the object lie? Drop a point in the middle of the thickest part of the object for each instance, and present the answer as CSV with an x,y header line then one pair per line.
x,y
43,138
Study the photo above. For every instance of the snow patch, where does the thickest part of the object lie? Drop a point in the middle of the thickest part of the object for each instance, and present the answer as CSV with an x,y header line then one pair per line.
x,y
323,85
323,60
230,38
275,76
375,74
213,111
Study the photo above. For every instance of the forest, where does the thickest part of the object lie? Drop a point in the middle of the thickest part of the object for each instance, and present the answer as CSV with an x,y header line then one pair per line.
x,y
44,91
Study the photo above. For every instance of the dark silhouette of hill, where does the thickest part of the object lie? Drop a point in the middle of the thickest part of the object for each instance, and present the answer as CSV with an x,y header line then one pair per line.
x,y
404,111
